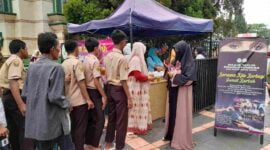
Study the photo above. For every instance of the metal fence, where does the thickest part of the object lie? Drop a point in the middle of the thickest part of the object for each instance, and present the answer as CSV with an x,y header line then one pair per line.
x,y
204,91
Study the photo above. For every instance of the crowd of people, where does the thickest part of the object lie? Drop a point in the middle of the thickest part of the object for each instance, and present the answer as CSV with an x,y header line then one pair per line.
x,y
62,105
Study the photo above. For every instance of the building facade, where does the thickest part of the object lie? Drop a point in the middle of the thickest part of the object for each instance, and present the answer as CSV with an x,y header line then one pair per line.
x,y
25,19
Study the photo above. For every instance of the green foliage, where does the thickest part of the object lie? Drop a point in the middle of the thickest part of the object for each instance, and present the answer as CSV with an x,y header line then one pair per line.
x,y
231,20
233,7
240,23
260,29
26,62
166,3
224,28
80,11
209,10
195,8
115,3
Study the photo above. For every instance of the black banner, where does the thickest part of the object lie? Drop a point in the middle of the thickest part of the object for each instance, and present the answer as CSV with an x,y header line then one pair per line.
x,y
240,96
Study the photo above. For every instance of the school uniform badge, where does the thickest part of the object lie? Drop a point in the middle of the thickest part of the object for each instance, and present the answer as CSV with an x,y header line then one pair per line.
x,y
16,63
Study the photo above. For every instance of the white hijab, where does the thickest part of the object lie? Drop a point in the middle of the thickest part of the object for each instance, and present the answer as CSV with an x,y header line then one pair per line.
x,y
137,61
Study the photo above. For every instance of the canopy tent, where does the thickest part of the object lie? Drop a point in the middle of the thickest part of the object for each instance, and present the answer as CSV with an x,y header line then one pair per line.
x,y
145,18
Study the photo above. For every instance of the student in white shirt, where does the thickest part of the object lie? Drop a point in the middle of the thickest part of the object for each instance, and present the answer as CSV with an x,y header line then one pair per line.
x,y
199,53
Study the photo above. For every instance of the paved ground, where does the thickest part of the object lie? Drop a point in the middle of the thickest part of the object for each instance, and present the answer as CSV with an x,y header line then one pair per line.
x,y
203,123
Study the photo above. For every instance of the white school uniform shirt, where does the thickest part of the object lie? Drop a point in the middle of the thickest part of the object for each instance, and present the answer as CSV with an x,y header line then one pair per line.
x,y
200,56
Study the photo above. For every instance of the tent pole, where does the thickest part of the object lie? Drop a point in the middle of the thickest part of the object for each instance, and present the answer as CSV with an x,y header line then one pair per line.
x,y
130,30
131,34
211,42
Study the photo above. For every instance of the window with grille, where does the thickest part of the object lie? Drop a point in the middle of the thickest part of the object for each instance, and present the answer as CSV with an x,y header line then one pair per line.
x,y
6,6
58,6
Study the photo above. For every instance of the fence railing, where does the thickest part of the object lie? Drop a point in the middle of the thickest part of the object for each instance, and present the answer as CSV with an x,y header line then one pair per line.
x,y
204,91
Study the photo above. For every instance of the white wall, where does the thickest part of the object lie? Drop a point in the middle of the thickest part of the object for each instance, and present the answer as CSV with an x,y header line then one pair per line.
x,y
31,20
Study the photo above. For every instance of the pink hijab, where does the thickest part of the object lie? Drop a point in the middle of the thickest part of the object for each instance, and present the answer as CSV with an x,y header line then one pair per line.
x,y
137,61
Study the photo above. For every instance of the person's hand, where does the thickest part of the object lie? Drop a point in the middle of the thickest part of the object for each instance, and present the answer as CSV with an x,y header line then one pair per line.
x,y
241,124
151,78
178,65
90,104
104,102
178,71
229,108
4,132
22,108
130,103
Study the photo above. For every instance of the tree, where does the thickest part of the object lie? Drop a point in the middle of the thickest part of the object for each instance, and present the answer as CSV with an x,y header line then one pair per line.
x,y
240,23
224,27
232,7
260,29
195,8
81,11
231,20
115,3
167,3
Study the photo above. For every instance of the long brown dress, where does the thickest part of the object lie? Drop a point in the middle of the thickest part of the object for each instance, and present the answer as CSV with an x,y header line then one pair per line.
x,y
183,122
182,132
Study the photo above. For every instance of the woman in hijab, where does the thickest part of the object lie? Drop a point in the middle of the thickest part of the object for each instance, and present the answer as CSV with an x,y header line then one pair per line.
x,y
127,51
153,61
140,120
179,118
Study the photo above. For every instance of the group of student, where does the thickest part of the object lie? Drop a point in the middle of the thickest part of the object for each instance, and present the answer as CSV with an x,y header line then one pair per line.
x,y
63,105
40,105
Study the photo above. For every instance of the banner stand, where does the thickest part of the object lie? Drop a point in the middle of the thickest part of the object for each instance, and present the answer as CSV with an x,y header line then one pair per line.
x,y
261,139
261,136
240,90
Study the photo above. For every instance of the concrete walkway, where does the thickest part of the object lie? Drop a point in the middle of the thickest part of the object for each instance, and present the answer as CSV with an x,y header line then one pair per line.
x,y
203,123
